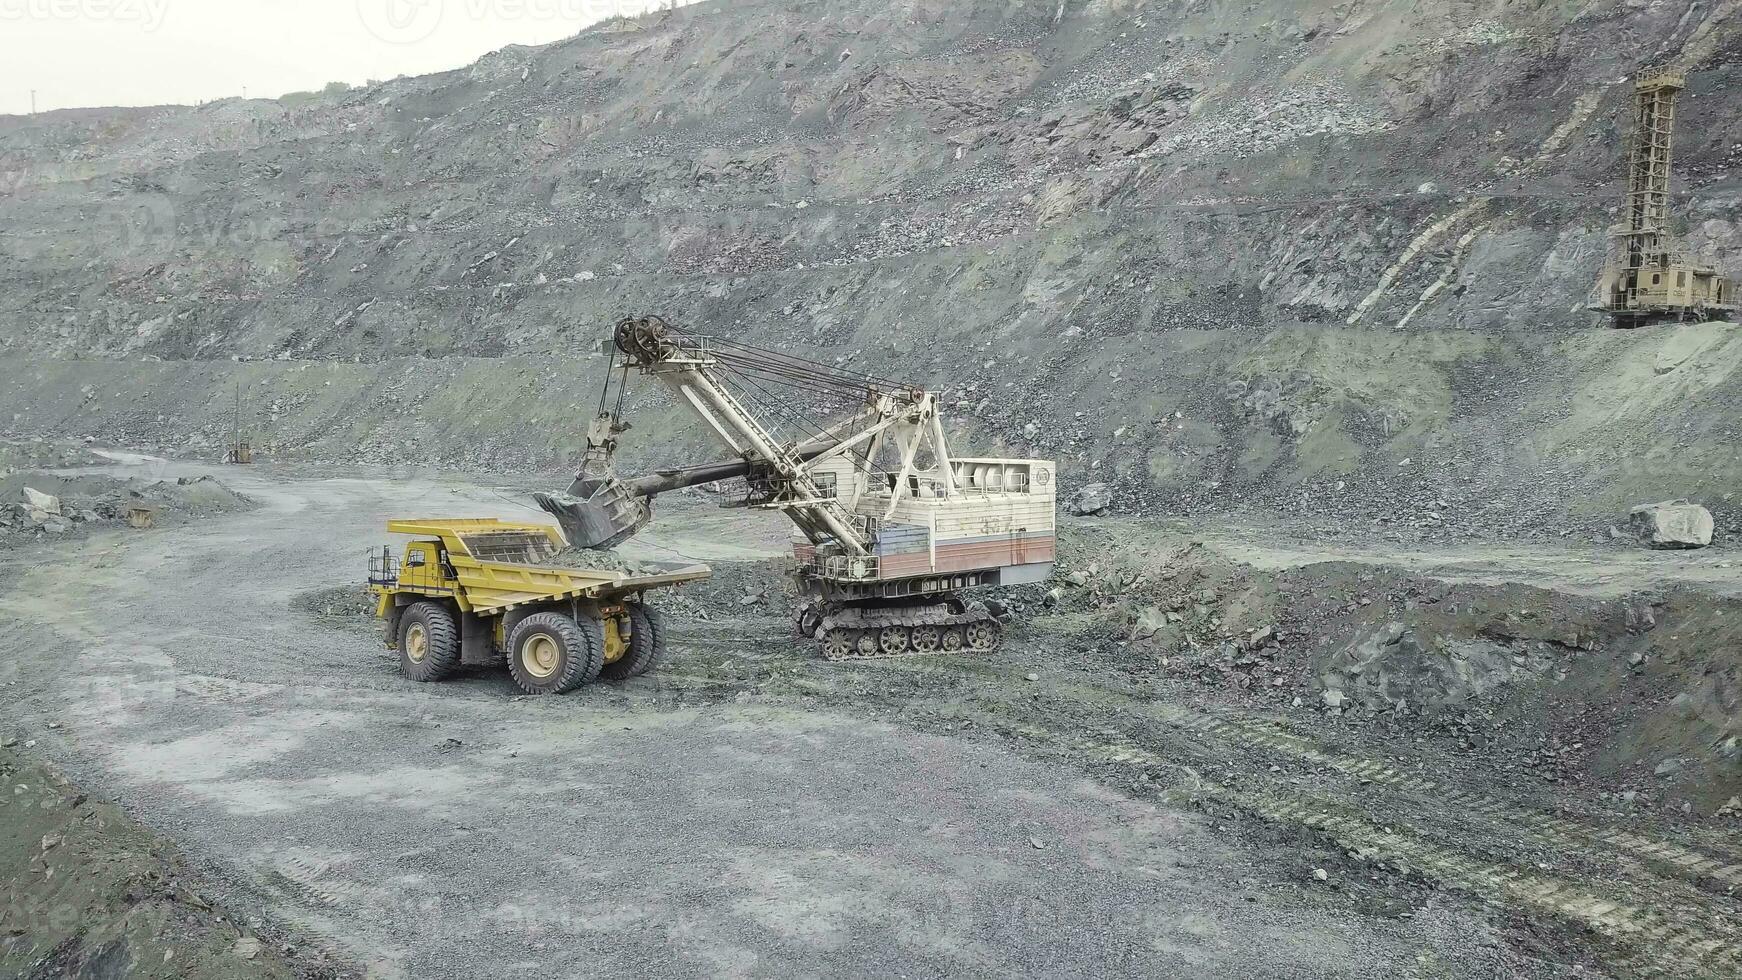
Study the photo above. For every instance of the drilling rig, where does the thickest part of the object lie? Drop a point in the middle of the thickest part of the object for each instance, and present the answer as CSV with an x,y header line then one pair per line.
x,y
890,528
1649,278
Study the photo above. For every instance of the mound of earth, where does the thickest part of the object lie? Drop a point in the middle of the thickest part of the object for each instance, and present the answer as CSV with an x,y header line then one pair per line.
x,y
44,454
341,605
1634,697
35,504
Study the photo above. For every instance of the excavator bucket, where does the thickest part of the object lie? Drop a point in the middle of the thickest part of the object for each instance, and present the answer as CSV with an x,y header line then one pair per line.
x,y
597,513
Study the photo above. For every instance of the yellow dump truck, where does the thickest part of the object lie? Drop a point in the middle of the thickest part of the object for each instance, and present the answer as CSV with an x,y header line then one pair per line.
x,y
473,591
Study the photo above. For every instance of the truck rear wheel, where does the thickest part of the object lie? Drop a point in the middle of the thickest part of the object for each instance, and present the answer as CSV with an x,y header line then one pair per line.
x,y
646,644
429,642
549,653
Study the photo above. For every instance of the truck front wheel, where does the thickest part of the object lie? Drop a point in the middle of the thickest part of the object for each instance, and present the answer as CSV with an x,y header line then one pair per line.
x,y
549,653
429,642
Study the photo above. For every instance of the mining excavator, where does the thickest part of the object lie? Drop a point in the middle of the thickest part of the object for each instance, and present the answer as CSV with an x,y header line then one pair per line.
x,y
890,528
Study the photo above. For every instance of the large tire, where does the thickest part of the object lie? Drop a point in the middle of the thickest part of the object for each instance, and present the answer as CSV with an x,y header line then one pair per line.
x,y
549,653
646,645
429,642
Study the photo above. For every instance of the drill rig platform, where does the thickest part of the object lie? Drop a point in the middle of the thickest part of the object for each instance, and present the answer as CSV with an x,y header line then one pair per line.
x,y
890,528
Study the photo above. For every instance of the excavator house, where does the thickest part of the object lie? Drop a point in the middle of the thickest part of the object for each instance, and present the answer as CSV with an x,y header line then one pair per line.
x,y
890,528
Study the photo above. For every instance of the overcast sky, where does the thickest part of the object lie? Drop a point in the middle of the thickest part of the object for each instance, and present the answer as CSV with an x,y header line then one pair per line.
x,y
150,52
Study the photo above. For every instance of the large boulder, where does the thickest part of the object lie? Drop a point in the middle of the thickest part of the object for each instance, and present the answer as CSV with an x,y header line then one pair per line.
x,y
38,500
1092,499
1395,669
1672,524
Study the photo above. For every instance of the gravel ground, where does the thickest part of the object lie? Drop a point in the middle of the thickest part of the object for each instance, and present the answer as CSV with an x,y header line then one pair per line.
x,y
663,828
91,893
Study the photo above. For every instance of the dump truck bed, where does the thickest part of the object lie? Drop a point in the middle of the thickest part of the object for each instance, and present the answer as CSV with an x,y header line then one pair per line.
x,y
492,586
499,565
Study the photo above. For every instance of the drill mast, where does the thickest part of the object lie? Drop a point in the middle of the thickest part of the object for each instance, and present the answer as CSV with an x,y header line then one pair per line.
x,y
1651,278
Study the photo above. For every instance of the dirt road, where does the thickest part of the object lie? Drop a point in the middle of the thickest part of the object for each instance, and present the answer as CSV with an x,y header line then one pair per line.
x,y
460,831
747,812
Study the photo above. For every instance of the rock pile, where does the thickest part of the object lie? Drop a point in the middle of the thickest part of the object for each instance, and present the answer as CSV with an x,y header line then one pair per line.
x,y
1395,670
44,511
601,561
40,504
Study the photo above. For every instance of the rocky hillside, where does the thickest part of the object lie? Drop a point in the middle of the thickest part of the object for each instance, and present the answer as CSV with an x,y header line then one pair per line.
x,y
1328,258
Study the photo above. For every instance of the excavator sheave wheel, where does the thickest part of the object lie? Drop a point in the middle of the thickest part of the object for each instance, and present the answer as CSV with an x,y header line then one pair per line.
x,y
984,635
926,639
429,642
646,644
838,644
549,653
892,640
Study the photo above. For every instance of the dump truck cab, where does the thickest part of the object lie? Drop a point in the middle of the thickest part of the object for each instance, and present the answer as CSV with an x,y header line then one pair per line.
x,y
475,592
424,569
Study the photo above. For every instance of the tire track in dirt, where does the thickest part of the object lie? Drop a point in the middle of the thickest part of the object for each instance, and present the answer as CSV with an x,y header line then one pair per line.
x,y
1653,942
1658,927
1690,863
1698,866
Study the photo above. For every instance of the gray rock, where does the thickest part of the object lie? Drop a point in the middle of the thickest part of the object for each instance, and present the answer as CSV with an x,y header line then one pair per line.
x,y
1092,499
1150,621
1672,524
1394,669
47,503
